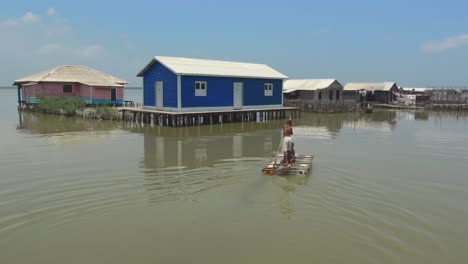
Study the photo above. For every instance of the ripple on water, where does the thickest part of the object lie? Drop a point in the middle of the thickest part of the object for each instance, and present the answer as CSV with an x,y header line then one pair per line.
x,y
69,198
176,183
364,211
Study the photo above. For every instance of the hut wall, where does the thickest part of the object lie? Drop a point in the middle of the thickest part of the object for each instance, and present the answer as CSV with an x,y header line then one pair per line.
x,y
328,95
31,92
382,96
331,99
350,96
52,90
219,92
100,95
85,91
105,92
386,96
317,106
158,72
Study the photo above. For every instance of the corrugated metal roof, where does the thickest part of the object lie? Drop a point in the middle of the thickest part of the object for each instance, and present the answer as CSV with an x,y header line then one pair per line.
x,y
199,67
419,90
370,86
73,73
308,84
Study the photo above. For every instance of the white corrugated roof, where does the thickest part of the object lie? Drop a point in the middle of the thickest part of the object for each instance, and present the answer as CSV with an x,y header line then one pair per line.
x,y
420,90
307,84
199,67
73,73
370,86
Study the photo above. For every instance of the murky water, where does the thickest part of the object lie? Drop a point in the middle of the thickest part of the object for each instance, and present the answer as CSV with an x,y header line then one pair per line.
x,y
387,187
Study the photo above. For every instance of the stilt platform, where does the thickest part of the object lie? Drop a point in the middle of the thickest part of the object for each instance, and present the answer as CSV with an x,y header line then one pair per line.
x,y
301,166
178,119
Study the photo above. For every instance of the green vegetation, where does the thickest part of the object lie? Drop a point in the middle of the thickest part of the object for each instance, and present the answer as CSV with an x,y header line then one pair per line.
x,y
105,112
74,107
59,105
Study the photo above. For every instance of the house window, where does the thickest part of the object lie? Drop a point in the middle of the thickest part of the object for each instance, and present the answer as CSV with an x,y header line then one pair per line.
x,y
268,89
200,88
337,95
330,95
320,95
67,88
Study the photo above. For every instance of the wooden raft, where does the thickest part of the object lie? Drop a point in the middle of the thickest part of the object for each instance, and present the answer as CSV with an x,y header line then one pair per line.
x,y
301,166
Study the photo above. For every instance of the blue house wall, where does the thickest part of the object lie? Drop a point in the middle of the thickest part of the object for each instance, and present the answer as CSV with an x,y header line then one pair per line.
x,y
157,72
220,92
254,92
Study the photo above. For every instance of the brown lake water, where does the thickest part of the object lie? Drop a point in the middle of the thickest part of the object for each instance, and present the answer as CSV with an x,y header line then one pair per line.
x,y
386,187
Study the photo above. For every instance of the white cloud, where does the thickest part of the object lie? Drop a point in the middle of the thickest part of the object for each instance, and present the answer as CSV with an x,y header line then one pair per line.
x,y
35,39
449,43
30,18
37,42
27,18
58,30
320,32
61,50
51,11
51,48
91,51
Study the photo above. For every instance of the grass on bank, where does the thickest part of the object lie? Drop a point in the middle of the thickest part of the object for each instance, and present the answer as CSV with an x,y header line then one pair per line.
x,y
73,107
59,105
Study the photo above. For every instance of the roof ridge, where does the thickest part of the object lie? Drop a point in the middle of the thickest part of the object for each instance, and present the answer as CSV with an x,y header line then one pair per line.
x,y
53,70
210,67
107,74
214,60
313,79
78,73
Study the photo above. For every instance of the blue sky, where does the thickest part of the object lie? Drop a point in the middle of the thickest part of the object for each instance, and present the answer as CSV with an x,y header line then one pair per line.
x,y
415,43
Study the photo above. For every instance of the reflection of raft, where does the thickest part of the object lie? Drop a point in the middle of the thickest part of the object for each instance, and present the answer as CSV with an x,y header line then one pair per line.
x,y
301,166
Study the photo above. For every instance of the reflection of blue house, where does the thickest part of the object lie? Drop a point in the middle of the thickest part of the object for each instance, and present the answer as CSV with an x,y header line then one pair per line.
x,y
189,85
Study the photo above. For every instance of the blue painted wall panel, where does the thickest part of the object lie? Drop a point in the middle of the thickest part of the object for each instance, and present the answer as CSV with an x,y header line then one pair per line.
x,y
158,72
254,92
220,92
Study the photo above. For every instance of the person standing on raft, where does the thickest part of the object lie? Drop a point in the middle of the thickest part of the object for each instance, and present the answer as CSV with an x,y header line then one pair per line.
x,y
287,142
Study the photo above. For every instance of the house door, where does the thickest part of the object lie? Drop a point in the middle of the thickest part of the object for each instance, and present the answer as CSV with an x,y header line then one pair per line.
x,y
159,95
238,87
113,95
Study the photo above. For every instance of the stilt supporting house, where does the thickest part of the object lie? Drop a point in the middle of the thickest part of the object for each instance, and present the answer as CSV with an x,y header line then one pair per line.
x,y
179,119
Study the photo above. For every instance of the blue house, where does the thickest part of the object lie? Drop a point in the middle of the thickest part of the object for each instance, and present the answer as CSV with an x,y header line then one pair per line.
x,y
194,85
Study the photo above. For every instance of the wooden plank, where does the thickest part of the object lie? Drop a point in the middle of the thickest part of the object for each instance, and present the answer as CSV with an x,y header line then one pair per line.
x,y
142,110
301,166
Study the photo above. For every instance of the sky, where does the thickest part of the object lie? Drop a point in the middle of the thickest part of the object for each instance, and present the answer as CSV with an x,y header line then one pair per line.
x,y
414,43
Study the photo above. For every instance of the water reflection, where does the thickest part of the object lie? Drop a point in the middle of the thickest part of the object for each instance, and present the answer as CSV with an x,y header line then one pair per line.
x,y
63,129
196,147
379,121
287,186
37,123
400,199
166,148
182,162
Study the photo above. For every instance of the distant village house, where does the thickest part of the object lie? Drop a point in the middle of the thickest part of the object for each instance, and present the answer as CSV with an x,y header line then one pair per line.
x,y
379,92
91,86
316,95
411,96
